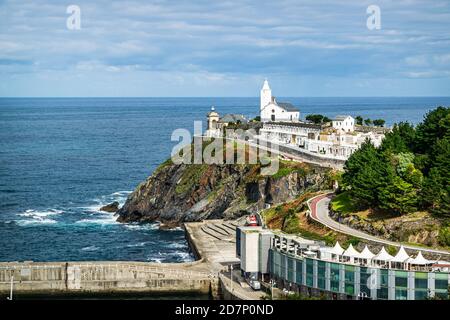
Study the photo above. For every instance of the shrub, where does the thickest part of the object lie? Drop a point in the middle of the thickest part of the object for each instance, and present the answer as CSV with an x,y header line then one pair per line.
x,y
444,236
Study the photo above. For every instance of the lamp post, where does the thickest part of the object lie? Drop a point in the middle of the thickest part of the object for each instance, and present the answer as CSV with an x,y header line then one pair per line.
x,y
231,277
272,283
11,289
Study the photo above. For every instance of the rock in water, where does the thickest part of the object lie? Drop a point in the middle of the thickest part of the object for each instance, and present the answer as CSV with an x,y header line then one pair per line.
x,y
177,193
112,207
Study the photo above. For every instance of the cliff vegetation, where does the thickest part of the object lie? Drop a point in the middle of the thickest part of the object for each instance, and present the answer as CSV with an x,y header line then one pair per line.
x,y
176,193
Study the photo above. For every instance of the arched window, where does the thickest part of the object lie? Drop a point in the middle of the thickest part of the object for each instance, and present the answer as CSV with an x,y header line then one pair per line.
x,y
272,117
273,110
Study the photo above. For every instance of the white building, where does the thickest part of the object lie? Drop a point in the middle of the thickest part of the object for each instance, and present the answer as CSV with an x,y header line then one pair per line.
x,y
320,139
345,123
216,124
335,140
281,124
271,110
249,249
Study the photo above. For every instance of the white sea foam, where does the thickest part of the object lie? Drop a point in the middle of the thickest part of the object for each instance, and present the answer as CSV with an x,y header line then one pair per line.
x,y
36,217
103,219
93,208
124,193
90,248
184,256
145,226
39,214
177,245
175,229
35,222
140,244
181,255
153,259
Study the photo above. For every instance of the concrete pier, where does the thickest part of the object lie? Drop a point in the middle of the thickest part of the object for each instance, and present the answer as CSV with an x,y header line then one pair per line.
x,y
84,278
212,242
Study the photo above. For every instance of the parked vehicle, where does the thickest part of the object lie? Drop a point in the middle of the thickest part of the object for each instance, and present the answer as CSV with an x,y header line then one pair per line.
x,y
254,284
252,221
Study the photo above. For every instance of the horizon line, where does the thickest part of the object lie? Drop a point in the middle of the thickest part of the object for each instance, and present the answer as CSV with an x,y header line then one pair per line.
x,y
202,97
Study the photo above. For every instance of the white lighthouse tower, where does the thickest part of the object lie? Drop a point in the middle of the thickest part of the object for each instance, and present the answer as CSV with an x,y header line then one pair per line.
x,y
266,95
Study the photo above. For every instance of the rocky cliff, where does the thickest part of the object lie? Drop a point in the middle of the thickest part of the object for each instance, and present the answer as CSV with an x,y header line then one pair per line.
x,y
179,193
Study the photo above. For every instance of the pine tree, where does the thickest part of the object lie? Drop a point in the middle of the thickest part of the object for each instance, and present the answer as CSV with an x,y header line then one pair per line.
x,y
400,139
436,190
398,196
365,172
435,126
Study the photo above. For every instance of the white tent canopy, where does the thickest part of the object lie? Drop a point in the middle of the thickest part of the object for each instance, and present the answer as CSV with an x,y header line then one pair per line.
x,y
351,252
382,256
337,249
401,256
366,254
419,260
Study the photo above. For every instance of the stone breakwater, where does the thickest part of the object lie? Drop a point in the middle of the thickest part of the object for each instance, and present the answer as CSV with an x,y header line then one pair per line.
x,y
212,242
108,277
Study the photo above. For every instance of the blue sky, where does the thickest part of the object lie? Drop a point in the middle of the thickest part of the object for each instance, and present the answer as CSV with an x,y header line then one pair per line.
x,y
225,48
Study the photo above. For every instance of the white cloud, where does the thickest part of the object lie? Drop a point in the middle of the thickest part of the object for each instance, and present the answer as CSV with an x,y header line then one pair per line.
x,y
200,41
417,61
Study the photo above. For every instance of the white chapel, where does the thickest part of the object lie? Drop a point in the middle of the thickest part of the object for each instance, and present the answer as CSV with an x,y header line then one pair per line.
x,y
273,111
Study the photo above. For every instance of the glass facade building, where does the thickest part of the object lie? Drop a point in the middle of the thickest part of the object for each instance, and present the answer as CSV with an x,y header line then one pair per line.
x,y
354,281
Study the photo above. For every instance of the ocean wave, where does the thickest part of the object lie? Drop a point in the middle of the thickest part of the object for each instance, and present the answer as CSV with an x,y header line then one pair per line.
x,y
39,214
93,208
121,193
90,248
154,259
35,222
99,219
145,226
102,217
119,196
179,255
175,229
140,244
184,256
178,245
36,217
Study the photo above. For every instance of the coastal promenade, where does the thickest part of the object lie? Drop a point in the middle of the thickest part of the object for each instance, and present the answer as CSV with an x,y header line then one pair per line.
x,y
319,212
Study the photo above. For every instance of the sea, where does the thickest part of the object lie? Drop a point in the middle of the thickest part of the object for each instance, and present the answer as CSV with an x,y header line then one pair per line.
x,y
61,159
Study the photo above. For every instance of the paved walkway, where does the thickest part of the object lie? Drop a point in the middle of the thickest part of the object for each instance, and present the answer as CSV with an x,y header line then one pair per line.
x,y
240,288
215,241
320,213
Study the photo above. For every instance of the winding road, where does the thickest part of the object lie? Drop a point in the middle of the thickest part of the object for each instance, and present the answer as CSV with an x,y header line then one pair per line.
x,y
319,212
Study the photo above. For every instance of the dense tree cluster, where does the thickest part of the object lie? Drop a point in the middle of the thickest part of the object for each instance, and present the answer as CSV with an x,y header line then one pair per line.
x,y
368,122
410,171
317,118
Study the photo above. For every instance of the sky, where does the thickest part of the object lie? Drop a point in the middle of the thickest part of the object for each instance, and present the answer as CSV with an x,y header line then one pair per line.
x,y
196,48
